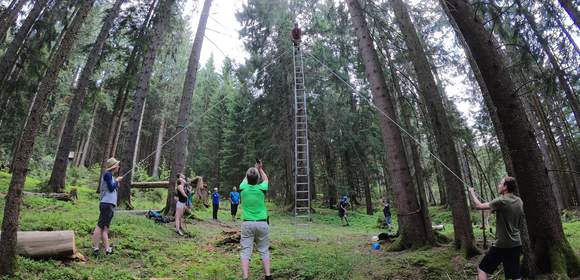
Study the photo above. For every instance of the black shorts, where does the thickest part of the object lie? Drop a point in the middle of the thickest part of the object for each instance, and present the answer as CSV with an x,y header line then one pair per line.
x,y
106,211
341,212
509,257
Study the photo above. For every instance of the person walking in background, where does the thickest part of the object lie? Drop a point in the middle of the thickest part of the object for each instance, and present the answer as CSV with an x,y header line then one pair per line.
x,y
234,202
342,205
215,199
387,213
180,203
108,201
254,219
507,247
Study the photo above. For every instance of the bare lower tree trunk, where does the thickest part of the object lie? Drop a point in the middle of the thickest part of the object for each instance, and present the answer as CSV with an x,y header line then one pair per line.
x,y
134,161
89,134
158,148
551,249
11,54
24,149
58,176
441,128
161,24
9,18
548,159
181,141
414,230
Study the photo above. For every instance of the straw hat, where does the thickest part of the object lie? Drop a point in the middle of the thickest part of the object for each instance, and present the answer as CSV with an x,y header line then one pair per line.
x,y
112,163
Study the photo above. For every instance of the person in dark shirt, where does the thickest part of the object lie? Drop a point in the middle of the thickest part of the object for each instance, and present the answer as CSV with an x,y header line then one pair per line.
x,y
180,204
296,35
387,213
215,199
342,205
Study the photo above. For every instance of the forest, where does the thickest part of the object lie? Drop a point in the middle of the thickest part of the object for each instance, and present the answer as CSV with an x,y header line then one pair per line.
x,y
354,108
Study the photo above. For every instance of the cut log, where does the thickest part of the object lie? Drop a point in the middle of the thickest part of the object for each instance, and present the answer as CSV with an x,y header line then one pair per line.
x,y
57,196
150,185
46,244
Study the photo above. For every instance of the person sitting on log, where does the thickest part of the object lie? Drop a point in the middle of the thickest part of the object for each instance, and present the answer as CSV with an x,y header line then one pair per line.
x,y
108,201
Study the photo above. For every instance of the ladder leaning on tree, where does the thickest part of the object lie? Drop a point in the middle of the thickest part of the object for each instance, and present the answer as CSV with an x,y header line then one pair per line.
x,y
302,218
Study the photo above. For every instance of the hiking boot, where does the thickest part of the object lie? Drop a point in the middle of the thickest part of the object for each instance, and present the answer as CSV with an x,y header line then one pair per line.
x,y
95,253
109,252
268,277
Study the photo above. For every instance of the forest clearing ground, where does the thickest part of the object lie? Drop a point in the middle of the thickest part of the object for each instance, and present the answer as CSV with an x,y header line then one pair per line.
x,y
146,250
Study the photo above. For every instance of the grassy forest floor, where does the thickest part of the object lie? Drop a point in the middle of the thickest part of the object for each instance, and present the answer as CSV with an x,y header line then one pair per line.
x,y
146,250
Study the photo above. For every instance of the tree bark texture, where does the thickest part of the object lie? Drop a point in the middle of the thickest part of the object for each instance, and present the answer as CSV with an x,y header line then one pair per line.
x,y
414,231
9,18
24,148
160,26
158,148
57,179
441,128
181,141
551,249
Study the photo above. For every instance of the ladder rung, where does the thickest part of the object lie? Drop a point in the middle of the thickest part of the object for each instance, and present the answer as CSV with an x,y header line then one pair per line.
x,y
302,208
302,199
302,191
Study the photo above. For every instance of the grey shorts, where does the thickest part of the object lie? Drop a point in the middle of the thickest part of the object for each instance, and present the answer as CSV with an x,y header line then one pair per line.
x,y
255,232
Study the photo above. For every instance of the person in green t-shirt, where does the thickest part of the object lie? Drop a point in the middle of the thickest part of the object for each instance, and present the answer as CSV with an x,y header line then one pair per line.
x,y
254,218
507,247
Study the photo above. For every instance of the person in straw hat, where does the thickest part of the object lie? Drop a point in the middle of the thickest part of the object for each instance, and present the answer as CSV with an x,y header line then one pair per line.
x,y
108,201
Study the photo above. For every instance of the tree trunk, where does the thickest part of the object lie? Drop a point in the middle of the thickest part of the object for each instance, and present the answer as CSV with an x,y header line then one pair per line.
x,y
491,109
563,82
181,141
572,10
9,18
158,148
89,135
161,24
11,55
441,129
330,164
548,158
24,149
552,250
134,161
414,230
57,179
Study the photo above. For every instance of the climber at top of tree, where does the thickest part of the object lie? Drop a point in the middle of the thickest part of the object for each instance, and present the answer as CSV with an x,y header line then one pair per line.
x,y
296,34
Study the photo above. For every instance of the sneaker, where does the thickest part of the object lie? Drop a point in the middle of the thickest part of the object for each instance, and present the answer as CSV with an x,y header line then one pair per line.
x,y
268,277
109,252
179,232
95,253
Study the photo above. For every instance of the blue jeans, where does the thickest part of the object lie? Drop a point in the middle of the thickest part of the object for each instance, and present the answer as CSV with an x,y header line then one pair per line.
x,y
388,220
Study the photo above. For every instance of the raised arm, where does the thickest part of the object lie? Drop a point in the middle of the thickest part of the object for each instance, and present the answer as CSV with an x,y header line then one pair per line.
x,y
478,204
262,172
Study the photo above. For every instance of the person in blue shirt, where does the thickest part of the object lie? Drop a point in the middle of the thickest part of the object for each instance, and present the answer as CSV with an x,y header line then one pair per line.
x,y
342,205
108,201
215,199
235,201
